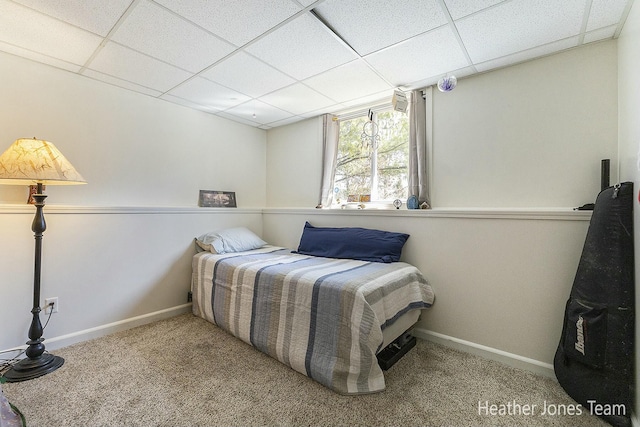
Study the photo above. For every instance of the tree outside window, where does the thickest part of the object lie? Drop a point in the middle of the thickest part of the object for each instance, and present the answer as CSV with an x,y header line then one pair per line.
x,y
371,163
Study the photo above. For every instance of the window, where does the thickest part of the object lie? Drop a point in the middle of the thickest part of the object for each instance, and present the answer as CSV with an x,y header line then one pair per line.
x,y
373,158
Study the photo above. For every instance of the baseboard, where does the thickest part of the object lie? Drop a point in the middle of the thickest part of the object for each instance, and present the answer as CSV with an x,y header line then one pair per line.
x,y
510,359
121,325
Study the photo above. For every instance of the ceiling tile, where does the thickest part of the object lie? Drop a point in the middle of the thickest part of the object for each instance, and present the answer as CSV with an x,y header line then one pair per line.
x,y
237,119
433,80
127,64
258,112
375,98
604,13
370,25
297,99
434,53
528,54
204,92
185,103
600,34
119,82
519,25
248,75
329,109
285,121
347,82
153,30
97,16
38,57
460,8
238,21
28,29
302,48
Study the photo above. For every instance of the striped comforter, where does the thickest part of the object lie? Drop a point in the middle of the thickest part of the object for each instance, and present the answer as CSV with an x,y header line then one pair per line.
x,y
321,316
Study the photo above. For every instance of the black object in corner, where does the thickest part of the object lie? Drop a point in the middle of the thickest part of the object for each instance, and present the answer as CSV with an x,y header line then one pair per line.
x,y
388,356
594,359
586,207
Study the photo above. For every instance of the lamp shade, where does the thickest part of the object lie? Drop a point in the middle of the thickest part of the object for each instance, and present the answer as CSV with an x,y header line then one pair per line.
x,y
31,161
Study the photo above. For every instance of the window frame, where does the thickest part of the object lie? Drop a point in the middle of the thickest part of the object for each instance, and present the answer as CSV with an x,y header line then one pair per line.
x,y
355,114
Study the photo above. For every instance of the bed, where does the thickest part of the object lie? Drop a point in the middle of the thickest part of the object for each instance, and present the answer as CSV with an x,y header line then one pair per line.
x,y
327,318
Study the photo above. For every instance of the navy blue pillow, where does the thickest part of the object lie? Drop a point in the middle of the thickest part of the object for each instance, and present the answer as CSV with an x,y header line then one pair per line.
x,y
352,242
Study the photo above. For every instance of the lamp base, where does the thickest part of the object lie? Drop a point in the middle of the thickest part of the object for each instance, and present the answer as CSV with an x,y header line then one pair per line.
x,y
28,369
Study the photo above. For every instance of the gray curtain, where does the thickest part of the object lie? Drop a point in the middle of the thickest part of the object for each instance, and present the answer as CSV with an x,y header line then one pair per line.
x,y
418,173
330,134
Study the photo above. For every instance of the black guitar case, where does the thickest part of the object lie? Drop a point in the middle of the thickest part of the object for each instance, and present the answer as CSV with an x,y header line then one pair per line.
x,y
594,360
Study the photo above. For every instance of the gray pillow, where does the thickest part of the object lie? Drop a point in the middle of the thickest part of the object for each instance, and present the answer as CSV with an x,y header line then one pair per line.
x,y
237,239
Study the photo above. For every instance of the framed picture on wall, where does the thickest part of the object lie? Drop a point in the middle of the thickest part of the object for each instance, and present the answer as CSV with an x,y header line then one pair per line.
x,y
217,199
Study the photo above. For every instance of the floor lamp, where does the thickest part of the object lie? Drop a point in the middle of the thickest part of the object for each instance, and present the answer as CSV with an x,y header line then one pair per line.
x,y
29,162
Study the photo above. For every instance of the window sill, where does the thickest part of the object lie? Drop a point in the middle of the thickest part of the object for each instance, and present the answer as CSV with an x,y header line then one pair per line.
x,y
561,214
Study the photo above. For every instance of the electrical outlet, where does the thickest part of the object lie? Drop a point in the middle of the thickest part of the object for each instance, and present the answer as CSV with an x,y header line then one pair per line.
x,y
47,305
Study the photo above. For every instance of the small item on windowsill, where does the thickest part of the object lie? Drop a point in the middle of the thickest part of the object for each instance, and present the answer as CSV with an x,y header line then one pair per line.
x,y
412,202
585,207
33,189
425,205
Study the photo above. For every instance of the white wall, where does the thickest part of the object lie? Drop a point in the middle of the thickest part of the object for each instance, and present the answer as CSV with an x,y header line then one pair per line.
x,y
530,135
121,246
134,150
294,164
629,134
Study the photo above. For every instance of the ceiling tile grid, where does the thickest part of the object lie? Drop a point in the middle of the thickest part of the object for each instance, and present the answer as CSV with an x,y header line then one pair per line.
x,y
369,25
238,21
258,112
298,99
38,32
96,16
347,82
270,63
461,8
127,64
604,13
153,30
431,54
302,48
207,93
519,25
248,75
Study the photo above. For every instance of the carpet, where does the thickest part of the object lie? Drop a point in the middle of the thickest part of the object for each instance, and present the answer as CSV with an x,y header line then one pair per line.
x,y
185,371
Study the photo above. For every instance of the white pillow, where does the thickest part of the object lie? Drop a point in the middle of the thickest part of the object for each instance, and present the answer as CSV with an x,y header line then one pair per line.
x,y
230,240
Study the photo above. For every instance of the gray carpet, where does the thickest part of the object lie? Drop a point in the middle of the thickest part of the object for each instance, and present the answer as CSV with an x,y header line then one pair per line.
x,y
185,371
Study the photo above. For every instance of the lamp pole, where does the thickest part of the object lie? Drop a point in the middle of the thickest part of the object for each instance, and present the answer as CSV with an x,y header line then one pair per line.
x,y
37,363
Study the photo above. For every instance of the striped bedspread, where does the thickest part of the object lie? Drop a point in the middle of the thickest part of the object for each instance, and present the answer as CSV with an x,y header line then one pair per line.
x,y
322,317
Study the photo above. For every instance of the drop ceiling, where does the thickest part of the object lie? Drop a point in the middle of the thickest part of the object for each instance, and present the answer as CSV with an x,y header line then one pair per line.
x,y
268,63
